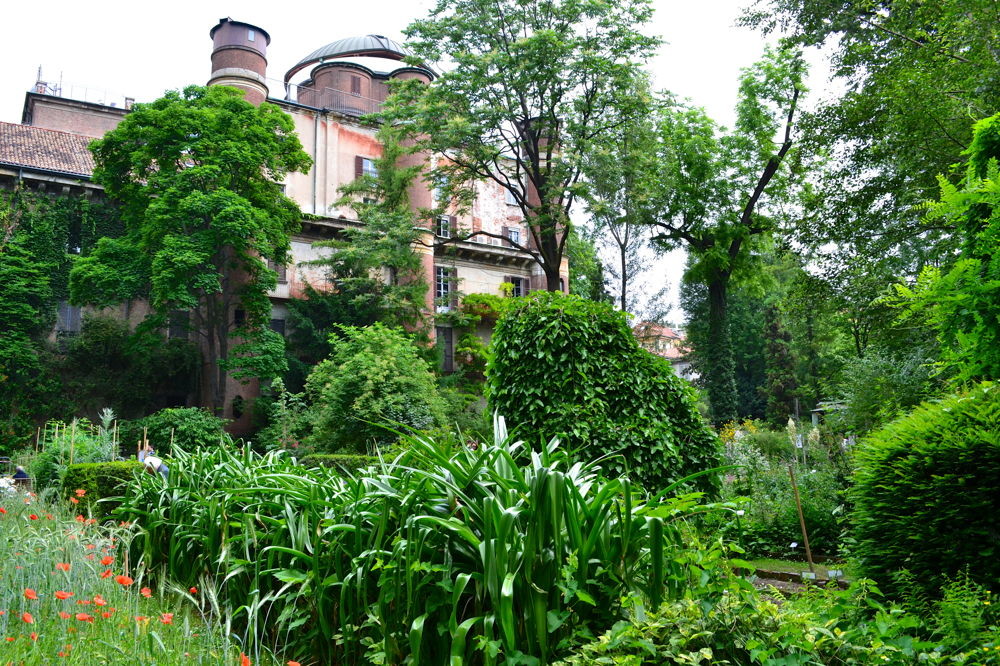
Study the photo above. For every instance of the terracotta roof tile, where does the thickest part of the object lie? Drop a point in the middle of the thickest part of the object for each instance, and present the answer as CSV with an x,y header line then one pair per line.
x,y
52,150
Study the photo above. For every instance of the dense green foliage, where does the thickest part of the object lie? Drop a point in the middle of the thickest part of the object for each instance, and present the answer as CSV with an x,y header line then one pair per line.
x,y
781,387
109,365
374,380
99,481
198,175
725,622
926,492
490,555
39,236
184,427
570,368
963,303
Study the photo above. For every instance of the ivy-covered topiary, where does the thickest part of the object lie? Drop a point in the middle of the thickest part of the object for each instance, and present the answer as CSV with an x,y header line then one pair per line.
x,y
98,481
927,488
570,368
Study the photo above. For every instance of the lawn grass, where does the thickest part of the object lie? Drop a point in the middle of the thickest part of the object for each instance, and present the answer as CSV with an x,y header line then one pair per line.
x,y
795,566
69,595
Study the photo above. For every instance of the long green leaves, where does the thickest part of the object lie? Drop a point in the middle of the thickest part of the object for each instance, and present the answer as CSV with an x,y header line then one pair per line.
x,y
448,554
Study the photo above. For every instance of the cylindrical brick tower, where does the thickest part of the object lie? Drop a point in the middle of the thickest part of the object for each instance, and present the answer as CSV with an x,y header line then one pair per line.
x,y
239,59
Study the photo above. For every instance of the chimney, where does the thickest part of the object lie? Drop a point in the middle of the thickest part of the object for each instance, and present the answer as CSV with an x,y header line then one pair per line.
x,y
239,58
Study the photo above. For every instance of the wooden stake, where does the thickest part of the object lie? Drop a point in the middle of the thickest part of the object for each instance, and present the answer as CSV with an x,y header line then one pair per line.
x,y
72,440
171,439
802,519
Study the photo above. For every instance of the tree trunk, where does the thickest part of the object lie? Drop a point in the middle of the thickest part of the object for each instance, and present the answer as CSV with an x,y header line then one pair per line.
x,y
720,371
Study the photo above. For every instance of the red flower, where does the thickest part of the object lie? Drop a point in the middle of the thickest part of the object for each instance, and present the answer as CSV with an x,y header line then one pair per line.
x,y
244,660
141,618
293,663
83,617
64,615
105,614
146,592
74,500
99,600
80,492
30,594
124,581
3,510
106,573
26,617
34,635
193,590
106,560
33,517
80,519
63,595
167,618
62,566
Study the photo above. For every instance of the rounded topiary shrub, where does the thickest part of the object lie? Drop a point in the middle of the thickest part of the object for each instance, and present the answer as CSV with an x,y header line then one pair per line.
x,y
570,368
927,493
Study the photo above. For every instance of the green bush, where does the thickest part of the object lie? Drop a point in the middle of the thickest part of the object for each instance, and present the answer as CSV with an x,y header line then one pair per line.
x,y
98,481
926,492
346,463
570,368
65,444
373,378
187,427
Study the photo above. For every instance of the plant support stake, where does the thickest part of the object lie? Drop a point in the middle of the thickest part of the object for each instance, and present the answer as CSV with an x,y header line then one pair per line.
x,y
802,519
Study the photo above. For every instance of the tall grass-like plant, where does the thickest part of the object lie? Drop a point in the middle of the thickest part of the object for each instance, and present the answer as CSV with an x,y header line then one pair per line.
x,y
447,554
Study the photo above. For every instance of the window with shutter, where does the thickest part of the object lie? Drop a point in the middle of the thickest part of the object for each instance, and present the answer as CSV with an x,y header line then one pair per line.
x,y
280,269
444,226
356,85
444,288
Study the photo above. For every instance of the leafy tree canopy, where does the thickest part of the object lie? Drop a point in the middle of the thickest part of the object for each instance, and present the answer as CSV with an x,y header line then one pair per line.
x,y
526,90
197,174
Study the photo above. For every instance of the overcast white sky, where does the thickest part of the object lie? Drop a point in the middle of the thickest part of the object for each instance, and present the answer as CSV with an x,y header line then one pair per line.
x,y
117,48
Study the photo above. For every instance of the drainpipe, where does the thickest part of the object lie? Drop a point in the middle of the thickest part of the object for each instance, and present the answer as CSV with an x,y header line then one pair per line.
x,y
315,157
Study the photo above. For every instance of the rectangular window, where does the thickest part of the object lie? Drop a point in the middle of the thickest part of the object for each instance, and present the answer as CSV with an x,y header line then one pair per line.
x,y
177,325
356,85
443,229
509,197
520,285
280,269
251,36
69,319
364,166
444,287
446,341
513,235
278,326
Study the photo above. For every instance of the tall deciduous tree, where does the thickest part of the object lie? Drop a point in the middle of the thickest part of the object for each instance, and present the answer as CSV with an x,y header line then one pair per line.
x,y
913,74
714,193
527,89
198,176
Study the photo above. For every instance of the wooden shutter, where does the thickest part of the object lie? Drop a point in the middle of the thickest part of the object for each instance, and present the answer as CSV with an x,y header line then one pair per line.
x,y
355,85
359,166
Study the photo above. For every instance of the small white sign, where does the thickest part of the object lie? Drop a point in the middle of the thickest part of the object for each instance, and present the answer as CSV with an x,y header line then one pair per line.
x,y
808,575
835,573
798,441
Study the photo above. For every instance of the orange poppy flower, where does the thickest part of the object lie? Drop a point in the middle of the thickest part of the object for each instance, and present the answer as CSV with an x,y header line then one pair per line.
x,y
193,590
62,566
63,595
99,600
64,615
84,617
244,660
74,500
106,574
34,635
123,580
146,592
106,560
30,594
293,663
27,618
167,618
80,492
33,517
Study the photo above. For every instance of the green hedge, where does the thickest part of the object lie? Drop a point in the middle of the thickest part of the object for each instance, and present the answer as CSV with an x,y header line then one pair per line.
x,y
348,463
99,480
927,490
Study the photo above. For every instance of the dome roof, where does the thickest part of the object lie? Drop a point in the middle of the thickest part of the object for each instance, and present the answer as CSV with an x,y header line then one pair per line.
x,y
376,46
